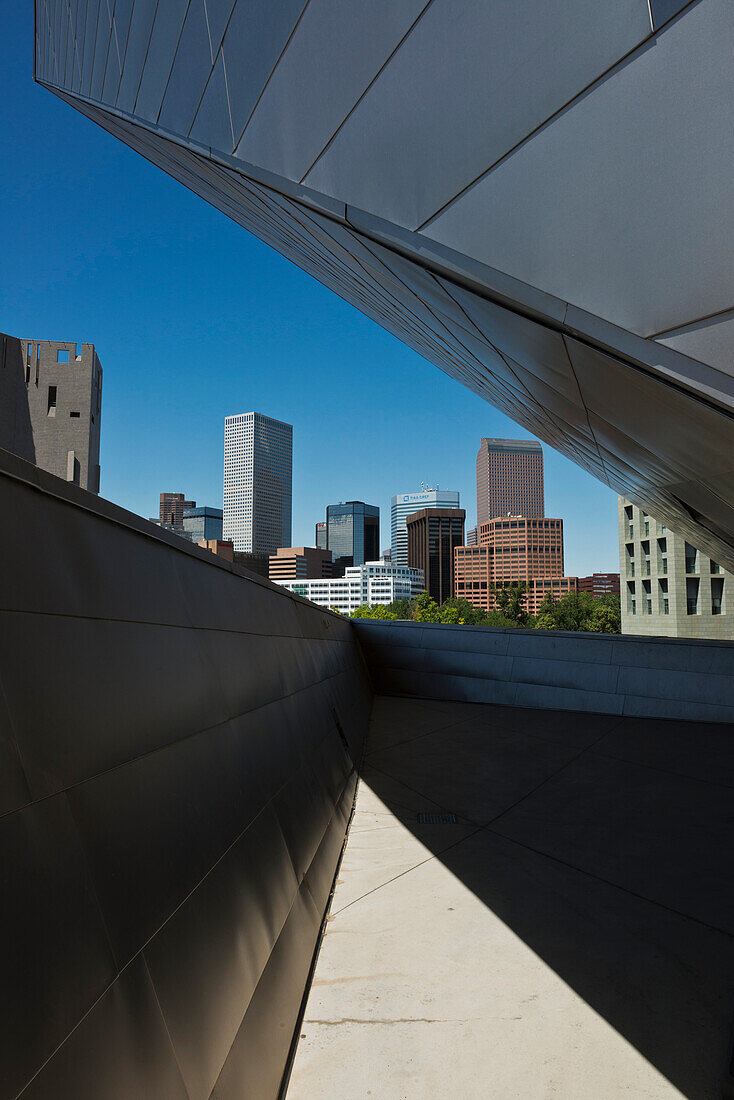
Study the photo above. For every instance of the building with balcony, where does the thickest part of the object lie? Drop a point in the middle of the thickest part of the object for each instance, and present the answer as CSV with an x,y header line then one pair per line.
x,y
373,582
513,549
669,588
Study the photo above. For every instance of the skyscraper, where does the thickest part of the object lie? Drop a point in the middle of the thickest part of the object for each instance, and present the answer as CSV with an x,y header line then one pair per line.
x,y
258,465
51,406
433,535
509,479
405,504
510,550
353,533
172,508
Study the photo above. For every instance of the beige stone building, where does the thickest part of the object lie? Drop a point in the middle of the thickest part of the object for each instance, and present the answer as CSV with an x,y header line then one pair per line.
x,y
668,587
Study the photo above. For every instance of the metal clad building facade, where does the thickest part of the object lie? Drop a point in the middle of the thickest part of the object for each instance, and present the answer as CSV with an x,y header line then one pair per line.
x,y
451,200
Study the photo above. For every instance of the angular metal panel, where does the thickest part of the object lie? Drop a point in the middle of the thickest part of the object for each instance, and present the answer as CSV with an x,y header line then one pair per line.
x,y
57,956
710,341
212,124
226,932
190,72
259,1052
154,828
338,49
137,701
468,84
137,47
176,823
584,209
218,13
119,1051
162,46
255,38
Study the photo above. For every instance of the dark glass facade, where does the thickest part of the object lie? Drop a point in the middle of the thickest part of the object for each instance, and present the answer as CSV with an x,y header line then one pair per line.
x,y
203,523
353,533
432,535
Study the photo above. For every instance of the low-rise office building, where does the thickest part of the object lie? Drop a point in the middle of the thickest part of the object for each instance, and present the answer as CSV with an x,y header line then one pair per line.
x,y
223,548
600,584
669,588
375,582
292,563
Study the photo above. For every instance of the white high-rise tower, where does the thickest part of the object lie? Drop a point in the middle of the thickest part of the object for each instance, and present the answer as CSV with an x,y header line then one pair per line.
x,y
404,505
258,467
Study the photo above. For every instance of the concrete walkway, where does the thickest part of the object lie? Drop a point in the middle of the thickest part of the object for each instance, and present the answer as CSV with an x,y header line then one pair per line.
x,y
570,936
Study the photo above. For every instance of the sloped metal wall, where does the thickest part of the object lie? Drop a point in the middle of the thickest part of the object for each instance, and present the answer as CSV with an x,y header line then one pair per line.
x,y
178,745
678,678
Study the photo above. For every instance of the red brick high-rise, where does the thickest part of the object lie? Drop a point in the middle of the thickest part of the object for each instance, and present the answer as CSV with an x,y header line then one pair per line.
x,y
509,479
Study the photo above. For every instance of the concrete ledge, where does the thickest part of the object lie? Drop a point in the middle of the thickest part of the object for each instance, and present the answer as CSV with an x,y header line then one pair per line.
x,y
610,674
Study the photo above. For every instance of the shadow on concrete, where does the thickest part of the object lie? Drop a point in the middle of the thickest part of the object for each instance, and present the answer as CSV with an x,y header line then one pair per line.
x,y
605,844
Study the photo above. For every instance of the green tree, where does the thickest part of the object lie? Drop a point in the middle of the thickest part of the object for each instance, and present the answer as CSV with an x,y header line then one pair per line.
x,y
402,608
606,618
373,611
501,622
458,610
580,611
426,609
510,601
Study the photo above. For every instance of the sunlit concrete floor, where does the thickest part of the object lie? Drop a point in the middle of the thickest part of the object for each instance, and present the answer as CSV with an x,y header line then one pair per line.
x,y
570,936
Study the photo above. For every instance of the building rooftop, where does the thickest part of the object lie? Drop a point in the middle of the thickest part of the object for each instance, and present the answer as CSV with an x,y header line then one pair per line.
x,y
569,935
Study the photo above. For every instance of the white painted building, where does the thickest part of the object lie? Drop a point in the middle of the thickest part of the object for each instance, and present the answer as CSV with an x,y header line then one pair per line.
x,y
404,505
373,582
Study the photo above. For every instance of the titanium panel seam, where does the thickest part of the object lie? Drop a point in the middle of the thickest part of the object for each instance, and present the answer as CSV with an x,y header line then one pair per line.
x,y
169,745
359,99
250,174
642,44
270,74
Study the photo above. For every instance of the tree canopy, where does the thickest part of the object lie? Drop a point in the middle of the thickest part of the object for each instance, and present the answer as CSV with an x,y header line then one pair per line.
x,y
574,611
580,611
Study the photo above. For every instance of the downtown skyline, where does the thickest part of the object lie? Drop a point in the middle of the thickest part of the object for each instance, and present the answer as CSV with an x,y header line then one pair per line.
x,y
196,320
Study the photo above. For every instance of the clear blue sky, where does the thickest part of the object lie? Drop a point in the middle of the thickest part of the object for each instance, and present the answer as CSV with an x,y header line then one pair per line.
x,y
195,319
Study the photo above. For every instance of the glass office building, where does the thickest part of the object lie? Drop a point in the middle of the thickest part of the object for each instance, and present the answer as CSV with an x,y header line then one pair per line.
x,y
203,523
353,532
258,470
